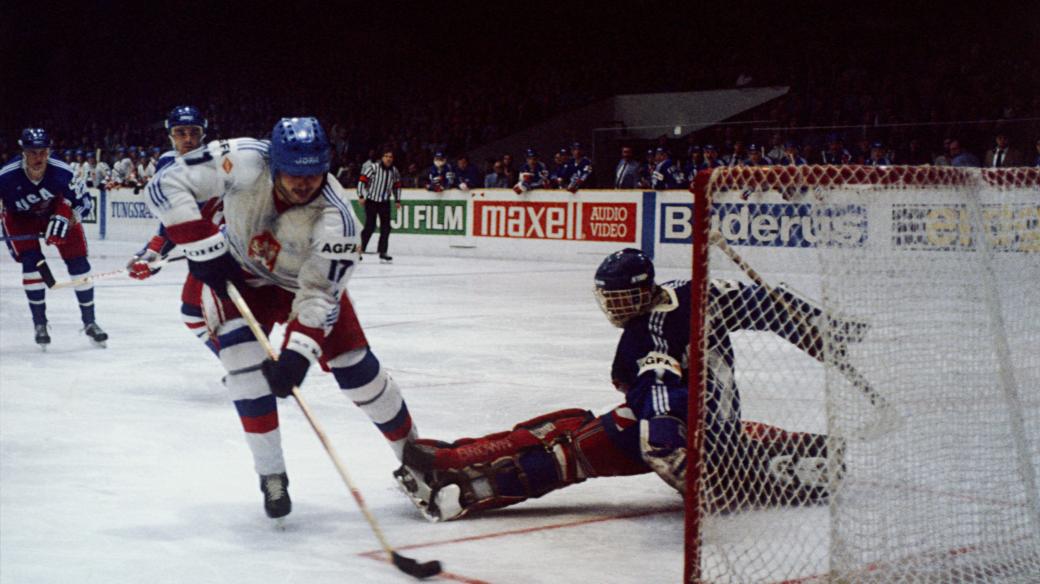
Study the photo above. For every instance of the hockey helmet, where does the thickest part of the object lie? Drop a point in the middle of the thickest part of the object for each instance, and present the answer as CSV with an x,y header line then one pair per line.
x,y
186,115
34,138
625,285
299,147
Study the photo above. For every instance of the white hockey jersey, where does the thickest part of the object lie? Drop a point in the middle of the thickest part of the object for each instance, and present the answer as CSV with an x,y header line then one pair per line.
x,y
308,249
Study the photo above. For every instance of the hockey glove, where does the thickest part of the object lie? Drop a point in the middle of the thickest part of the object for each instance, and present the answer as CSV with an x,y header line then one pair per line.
x,y
285,373
209,255
217,272
662,442
58,226
83,207
145,263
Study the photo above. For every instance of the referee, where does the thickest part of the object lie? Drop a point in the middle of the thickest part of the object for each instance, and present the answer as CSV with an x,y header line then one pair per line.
x,y
378,182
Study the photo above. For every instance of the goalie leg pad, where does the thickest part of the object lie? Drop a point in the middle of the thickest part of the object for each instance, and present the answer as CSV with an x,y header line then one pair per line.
x,y
538,456
789,468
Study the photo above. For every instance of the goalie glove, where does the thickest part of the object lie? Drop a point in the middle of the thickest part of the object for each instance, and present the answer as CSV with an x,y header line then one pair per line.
x,y
58,226
662,443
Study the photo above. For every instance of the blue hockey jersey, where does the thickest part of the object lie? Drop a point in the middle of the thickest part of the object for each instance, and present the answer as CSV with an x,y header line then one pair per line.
x,y
21,195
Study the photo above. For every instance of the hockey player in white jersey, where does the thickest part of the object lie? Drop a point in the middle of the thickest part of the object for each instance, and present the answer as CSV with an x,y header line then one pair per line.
x,y
289,243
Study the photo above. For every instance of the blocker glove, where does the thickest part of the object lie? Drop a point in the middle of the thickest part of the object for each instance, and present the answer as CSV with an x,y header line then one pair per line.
x,y
285,373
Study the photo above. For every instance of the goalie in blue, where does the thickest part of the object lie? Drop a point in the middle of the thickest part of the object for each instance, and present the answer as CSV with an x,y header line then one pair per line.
x,y
745,462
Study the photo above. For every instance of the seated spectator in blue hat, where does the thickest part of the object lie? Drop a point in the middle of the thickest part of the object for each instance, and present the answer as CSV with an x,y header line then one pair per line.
x,y
497,178
961,157
694,158
560,159
711,158
577,170
466,174
533,174
441,176
755,157
790,156
667,174
835,153
877,156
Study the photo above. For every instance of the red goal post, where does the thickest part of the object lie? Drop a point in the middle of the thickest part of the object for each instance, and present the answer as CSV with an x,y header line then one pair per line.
x,y
931,420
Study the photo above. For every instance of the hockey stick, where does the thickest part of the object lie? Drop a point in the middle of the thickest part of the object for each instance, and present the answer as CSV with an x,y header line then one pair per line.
x,y
405,564
26,237
889,416
49,280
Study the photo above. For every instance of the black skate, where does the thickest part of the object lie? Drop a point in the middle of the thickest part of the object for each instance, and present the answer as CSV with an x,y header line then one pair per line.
x,y
97,336
42,338
275,487
385,259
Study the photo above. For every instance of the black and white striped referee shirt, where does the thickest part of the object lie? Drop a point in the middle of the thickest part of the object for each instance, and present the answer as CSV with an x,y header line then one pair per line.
x,y
377,183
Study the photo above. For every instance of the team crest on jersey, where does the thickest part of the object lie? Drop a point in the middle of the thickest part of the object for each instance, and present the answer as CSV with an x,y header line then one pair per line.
x,y
227,165
264,248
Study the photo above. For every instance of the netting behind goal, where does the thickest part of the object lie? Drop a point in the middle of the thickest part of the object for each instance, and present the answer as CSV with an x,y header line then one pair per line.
x,y
886,338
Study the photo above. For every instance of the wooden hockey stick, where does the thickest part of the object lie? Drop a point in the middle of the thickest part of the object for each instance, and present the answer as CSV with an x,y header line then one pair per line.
x,y
405,564
48,276
806,330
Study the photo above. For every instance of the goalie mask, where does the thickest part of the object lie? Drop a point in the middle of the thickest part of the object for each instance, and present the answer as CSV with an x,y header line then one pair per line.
x,y
625,285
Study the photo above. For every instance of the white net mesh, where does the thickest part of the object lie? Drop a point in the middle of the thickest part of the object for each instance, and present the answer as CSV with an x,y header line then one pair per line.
x,y
901,355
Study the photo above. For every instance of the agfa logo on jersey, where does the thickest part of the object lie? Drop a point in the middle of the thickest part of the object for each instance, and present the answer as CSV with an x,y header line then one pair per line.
x,y
339,248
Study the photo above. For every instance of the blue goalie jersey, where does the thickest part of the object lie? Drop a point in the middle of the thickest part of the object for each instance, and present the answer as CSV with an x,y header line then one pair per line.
x,y
651,361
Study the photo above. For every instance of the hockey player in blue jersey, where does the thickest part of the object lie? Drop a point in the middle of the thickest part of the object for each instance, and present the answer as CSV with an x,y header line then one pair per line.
x,y
441,176
41,200
533,174
666,174
747,463
577,170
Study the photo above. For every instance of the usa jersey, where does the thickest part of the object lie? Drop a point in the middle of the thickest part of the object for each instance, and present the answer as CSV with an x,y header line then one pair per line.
x,y
308,249
21,195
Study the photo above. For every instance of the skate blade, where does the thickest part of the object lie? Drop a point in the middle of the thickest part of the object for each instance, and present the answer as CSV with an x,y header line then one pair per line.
x,y
42,348
99,344
278,523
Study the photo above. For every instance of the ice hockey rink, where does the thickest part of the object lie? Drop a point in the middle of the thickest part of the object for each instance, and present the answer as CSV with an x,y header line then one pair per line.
x,y
128,464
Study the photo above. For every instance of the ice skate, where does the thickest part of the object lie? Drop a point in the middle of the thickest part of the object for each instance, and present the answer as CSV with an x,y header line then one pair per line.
x,y
97,336
435,503
385,259
42,337
277,503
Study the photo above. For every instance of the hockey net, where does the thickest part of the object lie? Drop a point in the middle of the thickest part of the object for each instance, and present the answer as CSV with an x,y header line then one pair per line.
x,y
914,400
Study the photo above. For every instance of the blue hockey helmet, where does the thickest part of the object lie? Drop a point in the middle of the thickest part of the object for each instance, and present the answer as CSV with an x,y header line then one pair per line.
x,y
299,147
531,153
186,115
34,138
625,285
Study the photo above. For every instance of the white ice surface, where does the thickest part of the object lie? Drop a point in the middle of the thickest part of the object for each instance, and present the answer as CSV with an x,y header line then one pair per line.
x,y
128,464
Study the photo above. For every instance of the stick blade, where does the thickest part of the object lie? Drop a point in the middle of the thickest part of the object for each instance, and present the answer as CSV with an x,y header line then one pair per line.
x,y
45,273
414,568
